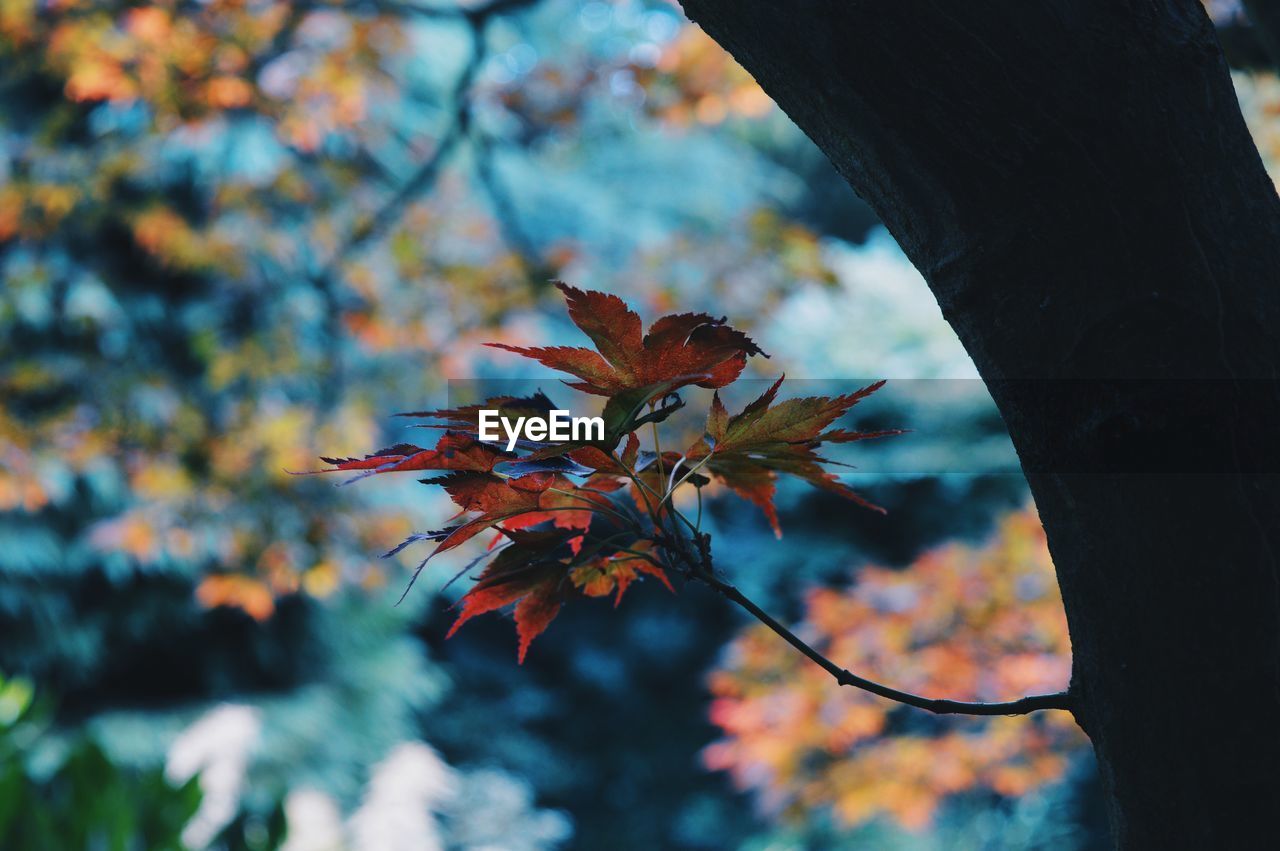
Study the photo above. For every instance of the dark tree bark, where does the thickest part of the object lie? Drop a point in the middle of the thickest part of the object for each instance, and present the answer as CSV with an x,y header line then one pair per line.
x,y
1264,16
1076,183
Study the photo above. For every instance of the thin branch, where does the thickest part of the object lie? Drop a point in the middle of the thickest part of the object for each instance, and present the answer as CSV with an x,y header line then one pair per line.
x,y
689,474
644,489
505,214
326,278
643,557
597,509
671,480
700,569
938,706
281,41
633,532
424,177
654,513
657,448
594,505
386,216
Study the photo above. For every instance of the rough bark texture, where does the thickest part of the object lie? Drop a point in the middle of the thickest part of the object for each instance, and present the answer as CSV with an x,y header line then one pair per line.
x,y
1264,15
1076,183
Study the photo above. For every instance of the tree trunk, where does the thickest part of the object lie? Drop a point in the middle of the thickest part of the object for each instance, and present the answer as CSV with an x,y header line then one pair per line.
x,y
1264,16
1076,183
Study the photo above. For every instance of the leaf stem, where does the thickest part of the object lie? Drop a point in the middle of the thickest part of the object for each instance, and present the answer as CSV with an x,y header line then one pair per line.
x,y
595,505
688,474
645,490
657,448
643,556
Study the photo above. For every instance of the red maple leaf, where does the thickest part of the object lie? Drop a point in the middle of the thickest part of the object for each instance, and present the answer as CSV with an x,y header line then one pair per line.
x,y
529,574
680,349
542,570
453,451
606,574
748,450
467,417
514,503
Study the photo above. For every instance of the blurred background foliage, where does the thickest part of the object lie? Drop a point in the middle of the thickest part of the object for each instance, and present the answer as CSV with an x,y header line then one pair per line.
x,y
238,234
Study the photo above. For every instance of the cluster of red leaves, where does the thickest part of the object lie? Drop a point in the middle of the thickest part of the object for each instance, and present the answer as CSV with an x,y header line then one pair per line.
x,y
590,518
802,744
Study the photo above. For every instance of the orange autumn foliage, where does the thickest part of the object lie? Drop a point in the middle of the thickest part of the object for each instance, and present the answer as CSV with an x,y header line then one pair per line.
x,y
696,81
188,63
967,623
280,105
242,592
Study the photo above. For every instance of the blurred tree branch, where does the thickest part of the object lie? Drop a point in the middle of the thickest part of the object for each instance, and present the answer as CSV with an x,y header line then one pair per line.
x,y
506,214
326,279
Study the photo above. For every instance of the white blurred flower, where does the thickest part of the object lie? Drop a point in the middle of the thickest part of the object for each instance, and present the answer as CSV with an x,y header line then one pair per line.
x,y
495,811
217,747
415,802
404,795
314,820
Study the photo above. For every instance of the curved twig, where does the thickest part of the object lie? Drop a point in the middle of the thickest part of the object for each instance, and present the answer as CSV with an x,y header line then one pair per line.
x,y
938,706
